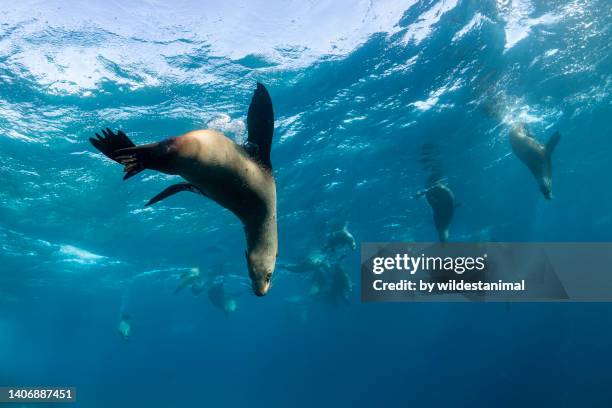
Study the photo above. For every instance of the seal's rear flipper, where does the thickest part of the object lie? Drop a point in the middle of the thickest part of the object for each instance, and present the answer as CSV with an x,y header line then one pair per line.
x,y
552,143
173,189
260,123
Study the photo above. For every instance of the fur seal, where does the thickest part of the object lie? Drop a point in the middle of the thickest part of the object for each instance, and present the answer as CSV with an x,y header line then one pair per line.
x,y
535,156
198,287
439,196
341,286
125,327
238,177
340,238
314,262
442,202
220,298
188,278
332,285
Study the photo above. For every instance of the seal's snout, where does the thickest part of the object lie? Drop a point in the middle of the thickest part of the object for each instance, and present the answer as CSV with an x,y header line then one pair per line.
x,y
259,292
261,287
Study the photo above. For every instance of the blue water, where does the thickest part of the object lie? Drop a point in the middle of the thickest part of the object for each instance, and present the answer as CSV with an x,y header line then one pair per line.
x,y
358,87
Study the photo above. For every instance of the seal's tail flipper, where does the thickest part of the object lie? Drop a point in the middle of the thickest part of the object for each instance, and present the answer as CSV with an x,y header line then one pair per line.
x,y
552,143
260,123
173,189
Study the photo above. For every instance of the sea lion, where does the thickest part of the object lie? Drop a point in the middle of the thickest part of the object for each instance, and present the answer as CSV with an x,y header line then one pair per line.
x,y
442,202
318,281
198,287
188,278
317,264
340,238
314,262
238,177
332,285
340,286
535,156
125,326
439,196
221,298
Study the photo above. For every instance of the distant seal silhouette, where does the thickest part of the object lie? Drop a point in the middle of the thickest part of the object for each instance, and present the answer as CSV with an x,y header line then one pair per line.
x,y
341,285
198,286
221,299
535,156
238,177
188,278
313,262
340,238
442,202
125,326
438,194
332,285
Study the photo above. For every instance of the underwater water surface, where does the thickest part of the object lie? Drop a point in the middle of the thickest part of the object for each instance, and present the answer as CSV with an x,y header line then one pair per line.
x,y
358,88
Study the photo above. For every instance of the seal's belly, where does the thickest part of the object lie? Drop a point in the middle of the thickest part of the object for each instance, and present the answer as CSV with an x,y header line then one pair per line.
x,y
241,190
529,152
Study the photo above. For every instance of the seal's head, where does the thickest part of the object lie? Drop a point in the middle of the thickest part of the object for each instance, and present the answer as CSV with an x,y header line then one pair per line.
x,y
261,269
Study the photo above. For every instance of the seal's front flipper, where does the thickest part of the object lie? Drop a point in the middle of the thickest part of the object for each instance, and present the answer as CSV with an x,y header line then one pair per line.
x,y
552,143
111,142
260,123
154,156
119,147
173,189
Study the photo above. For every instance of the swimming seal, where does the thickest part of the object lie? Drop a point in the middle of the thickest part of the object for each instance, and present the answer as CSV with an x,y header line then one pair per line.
x,y
439,196
332,285
535,156
198,287
340,286
442,202
221,298
125,326
238,177
314,262
340,238
188,278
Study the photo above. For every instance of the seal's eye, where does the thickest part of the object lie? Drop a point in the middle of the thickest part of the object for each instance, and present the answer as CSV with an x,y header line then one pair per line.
x,y
268,277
